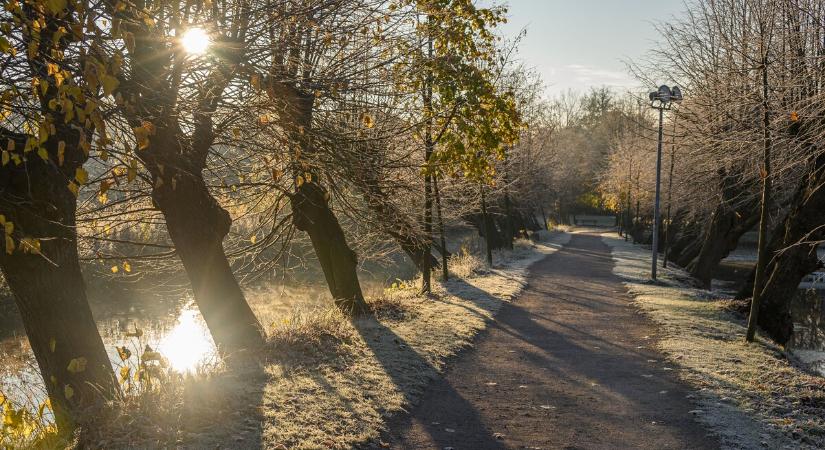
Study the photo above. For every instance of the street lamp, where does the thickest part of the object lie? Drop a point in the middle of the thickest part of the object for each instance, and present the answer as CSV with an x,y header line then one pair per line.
x,y
661,99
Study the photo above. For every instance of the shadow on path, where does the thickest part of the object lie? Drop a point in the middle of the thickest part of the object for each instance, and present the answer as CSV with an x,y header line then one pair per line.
x,y
570,364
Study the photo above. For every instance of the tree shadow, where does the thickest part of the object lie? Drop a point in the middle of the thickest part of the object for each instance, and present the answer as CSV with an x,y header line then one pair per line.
x,y
412,373
233,417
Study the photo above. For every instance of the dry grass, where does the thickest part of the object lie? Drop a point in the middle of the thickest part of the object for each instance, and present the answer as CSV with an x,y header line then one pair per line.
x,y
751,395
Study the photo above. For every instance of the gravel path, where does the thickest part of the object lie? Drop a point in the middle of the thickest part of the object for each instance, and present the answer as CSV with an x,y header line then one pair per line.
x,y
569,365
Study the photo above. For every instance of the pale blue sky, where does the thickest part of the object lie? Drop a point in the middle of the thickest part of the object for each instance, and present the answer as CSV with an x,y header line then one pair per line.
x,y
581,43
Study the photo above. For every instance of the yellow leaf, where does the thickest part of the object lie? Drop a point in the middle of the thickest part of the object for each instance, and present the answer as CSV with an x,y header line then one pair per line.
x,y
126,266
81,175
129,40
368,121
9,245
8,227
77,365
794,116
299,181
84,144
43,154
115,269
5,157
137,333
52,344
43,407
150,355
68,392
56,6
125,372
110,83
124,353
73,187
30,245
253,239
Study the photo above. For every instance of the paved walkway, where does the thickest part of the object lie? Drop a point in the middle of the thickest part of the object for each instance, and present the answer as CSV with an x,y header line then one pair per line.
x,y
569,365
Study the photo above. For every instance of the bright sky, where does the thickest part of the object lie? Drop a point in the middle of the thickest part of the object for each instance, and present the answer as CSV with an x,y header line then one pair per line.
x,y
576,44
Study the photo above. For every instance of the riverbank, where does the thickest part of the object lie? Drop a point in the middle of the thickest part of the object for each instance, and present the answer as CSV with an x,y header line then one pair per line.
x,y
750,395
327,382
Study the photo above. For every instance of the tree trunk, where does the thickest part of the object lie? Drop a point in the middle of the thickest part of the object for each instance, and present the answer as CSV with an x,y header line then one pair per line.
x,y
687,246
197,226
721,238
793,254
762,255
48,287
488,228
311,211
176,159
544,219
445,272
311,214
507,224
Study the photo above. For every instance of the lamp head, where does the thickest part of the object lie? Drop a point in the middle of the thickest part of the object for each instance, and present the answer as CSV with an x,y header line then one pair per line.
x,y
677,94
664,94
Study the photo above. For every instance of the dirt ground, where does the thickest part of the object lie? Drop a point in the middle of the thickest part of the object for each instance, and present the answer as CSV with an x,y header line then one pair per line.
x,y
570,364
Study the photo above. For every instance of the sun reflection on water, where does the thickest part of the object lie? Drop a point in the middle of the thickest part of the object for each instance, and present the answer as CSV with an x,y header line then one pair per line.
x,y
188,344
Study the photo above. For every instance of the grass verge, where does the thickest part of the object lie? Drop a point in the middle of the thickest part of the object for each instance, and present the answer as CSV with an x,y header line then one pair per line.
x,y
750,395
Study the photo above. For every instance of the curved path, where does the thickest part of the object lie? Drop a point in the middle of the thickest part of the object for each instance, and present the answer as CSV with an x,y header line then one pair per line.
x,y
569,365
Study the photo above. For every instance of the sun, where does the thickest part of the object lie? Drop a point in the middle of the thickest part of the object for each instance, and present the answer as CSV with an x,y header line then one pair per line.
x,y
195,41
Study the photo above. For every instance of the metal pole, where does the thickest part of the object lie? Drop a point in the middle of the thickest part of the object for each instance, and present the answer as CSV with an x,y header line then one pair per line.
x,y
656,204
669,194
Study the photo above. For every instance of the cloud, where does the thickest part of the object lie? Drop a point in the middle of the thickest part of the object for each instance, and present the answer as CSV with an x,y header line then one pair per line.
x,y
590,75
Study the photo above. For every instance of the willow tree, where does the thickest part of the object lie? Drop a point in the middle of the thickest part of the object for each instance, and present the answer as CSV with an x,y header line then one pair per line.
x,y
465,121
305,55
170,99
50,120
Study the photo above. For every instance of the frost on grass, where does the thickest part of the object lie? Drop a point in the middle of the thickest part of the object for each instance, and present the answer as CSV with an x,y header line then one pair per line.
x,y
330,382
343,394
748,394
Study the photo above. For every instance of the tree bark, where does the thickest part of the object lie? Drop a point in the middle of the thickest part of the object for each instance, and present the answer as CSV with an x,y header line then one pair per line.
x,y
197,225
48,287
728,223
721,238
762,258
311,214
488,228
445,272
793,251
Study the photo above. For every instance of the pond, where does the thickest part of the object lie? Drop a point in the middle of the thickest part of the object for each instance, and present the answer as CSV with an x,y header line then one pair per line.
x,y
167,320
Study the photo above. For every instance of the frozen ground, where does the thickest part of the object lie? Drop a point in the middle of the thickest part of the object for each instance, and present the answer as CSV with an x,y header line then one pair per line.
x,y
752,395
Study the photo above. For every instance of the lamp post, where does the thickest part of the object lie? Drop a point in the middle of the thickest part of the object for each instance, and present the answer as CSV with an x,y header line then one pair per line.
x,y
662,99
